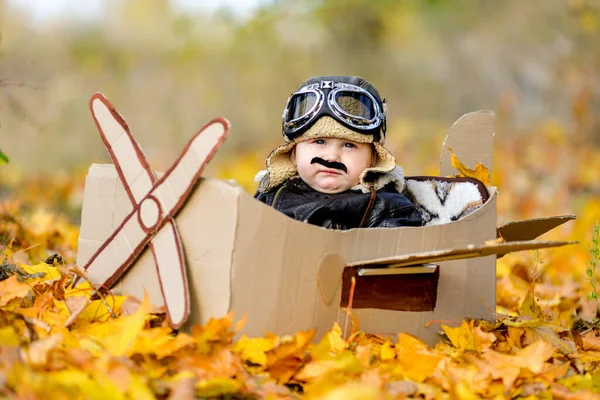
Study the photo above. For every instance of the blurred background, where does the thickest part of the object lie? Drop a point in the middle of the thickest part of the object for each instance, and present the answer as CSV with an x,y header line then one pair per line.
x,y
170,66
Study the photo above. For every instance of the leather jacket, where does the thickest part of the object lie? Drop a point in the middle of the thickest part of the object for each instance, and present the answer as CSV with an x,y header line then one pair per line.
x,y
344,210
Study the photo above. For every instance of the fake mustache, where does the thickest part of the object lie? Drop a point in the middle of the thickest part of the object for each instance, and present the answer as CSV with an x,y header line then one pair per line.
x,y
329,164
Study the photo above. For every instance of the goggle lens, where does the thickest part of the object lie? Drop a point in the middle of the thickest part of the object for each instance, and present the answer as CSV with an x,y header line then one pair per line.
x,y
300,105
355,104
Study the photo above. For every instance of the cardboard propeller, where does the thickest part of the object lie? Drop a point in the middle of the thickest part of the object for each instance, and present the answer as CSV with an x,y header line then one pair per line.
x,y
155,202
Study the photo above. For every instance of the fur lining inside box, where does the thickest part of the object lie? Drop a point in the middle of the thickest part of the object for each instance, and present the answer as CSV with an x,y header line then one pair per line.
x,y
443,200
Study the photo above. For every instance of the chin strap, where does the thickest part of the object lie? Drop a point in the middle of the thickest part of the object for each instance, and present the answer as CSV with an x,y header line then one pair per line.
x,y
369,207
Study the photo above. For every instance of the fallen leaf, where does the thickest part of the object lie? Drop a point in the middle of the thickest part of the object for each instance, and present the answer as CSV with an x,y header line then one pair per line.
x,y
529,307
217,386
12,288
461,337
37,353
125,330
8,336
480,172
415,359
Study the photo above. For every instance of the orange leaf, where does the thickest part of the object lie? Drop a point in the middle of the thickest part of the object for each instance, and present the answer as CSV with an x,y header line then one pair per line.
x,y
11,288
480,172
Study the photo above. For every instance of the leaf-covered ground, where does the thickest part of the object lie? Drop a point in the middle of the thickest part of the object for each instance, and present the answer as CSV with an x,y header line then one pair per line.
x,y
542,341
55,339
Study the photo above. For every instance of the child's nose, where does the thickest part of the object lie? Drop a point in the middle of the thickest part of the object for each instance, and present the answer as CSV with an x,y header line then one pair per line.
x,y
332,154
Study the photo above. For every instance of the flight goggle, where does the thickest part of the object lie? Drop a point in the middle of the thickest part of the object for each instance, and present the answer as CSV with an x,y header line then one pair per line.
x,y
349,104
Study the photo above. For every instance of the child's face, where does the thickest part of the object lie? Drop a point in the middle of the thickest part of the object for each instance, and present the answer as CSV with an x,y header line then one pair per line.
x,y
320,163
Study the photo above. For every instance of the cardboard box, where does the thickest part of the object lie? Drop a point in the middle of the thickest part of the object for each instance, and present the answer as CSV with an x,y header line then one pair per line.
x,y
287,276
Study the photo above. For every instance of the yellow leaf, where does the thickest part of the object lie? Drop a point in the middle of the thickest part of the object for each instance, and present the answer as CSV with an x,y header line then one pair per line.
x,y
414,358
331,343
8,336
125,330
214,331
50,274
530,307
461,337
217,386
463,392
78,381
160,341
100,310
345,363
480,172
387,351
253,350
82,289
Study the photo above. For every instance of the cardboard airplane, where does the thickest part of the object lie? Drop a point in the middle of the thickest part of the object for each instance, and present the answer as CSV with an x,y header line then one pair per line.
x,y
204,247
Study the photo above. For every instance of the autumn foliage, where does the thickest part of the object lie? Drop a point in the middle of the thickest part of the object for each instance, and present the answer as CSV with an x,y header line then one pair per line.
x,y
535,63
542,341
55,339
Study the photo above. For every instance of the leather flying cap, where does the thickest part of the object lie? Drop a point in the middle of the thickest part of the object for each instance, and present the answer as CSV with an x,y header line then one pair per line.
x,y
350,100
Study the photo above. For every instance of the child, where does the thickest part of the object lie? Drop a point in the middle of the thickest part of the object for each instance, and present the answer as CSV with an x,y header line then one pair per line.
x,y
333,170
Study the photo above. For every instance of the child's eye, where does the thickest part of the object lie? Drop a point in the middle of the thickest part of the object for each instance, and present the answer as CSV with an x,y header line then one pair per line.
x,y
350,145
319,141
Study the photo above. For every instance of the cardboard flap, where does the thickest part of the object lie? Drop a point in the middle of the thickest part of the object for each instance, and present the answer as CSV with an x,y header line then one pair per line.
x,y
472,140
530,229
470,251
330,274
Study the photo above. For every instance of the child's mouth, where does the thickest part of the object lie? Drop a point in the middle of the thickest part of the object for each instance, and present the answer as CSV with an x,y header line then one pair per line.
x,y
331,171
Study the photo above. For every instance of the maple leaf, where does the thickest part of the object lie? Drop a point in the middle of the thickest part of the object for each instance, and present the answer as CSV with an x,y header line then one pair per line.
x,y
480,172
415,360
253,350
285,359
122,333
461,337
331,343
508,367
591,341
44,272
216,330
